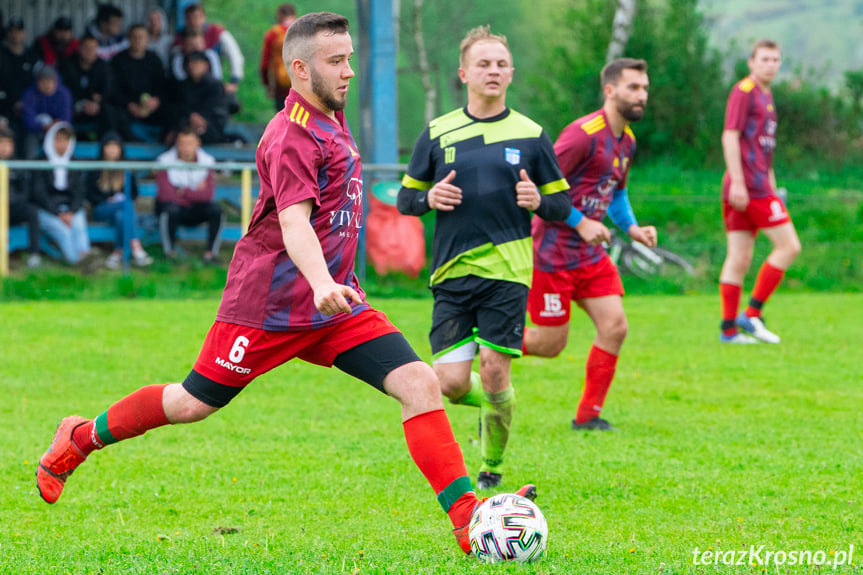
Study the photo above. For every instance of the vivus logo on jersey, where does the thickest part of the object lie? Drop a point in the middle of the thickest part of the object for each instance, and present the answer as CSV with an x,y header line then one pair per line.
x,y
350,217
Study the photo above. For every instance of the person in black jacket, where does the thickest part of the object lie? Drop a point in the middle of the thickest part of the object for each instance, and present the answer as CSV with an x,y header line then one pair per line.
x,y
59,193
138,82
17,63
88,77
21,209
106,192
201,100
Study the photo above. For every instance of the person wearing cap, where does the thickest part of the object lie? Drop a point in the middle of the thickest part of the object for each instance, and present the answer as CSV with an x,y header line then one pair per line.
x,y
106,191
44,104
201,100
56,45
17,61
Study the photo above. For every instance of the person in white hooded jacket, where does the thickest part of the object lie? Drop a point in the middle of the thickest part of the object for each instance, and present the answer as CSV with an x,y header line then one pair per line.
x,y
59,194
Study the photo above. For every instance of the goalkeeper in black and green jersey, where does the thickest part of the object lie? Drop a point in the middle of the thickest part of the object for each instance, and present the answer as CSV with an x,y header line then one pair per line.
x,y
484,168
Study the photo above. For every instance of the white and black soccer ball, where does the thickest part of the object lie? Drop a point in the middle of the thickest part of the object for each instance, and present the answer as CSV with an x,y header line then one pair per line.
x,y
508,527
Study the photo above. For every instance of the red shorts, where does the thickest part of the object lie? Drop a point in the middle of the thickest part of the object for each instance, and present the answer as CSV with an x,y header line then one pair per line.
x,y
760,213
234,355
551,292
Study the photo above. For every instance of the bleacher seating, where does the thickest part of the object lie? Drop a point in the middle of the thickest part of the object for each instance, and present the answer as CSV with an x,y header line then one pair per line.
x,y
228,191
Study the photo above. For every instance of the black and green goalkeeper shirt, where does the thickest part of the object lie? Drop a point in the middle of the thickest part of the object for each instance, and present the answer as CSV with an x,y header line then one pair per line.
x,y
488,234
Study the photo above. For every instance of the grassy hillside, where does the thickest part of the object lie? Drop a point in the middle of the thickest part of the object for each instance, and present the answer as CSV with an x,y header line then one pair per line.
x,y
820,39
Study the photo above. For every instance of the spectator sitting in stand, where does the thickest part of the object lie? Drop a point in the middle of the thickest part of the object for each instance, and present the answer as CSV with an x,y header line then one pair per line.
x,y
59,193
161,38
44,104
139,82
107,28
106,192
88,78
201,101
17,63
21,209
56,45
220,40
193,41
185,197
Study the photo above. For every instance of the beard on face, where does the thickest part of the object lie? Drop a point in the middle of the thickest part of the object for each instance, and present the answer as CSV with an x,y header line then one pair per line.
x,y
629,111
327,96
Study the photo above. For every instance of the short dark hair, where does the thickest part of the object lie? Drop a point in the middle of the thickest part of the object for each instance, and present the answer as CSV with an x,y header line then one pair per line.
x,y
7,134
192,8
107,11
612,71
299,38
134,27
65,131
187,130
764,43
286,10
189,33
87,37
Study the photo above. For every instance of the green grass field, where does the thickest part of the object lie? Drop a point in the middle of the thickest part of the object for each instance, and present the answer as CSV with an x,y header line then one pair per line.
x,y
307,471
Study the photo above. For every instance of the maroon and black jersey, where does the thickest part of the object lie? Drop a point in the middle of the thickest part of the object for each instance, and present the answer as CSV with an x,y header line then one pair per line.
x,y
302,155
750,111
595,163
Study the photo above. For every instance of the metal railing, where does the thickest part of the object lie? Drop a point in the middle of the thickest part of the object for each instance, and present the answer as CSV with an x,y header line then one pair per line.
x,y
370,172
245,169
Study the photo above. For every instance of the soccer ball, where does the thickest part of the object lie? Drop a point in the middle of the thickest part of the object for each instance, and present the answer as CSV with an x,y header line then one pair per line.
x,y
508,527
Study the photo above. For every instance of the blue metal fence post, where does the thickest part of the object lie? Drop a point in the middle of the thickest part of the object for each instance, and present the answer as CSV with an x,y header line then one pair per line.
x,y
378,102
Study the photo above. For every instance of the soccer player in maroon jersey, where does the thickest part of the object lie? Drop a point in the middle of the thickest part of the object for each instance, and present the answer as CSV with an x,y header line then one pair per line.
x,y
291,291
595,153
749,200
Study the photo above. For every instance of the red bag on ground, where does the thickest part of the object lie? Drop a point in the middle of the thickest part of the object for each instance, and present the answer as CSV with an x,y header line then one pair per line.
x,y
394,242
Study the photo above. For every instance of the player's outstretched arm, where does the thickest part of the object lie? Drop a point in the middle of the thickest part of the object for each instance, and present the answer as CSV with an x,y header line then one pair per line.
x,y
304,249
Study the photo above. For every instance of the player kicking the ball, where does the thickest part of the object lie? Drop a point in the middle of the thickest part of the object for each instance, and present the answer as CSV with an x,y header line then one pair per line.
x,y
291,291
749,200
595,153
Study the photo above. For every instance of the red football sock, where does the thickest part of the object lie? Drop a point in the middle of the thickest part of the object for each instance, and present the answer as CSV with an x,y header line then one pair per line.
x,y
600,372
435,451
769,278
730,295
130,417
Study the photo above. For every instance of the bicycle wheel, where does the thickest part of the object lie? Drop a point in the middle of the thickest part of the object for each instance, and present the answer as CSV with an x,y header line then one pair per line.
x,y
644,262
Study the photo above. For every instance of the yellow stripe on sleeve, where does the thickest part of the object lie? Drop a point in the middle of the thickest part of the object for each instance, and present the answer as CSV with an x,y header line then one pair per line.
x,y
554,187
415,184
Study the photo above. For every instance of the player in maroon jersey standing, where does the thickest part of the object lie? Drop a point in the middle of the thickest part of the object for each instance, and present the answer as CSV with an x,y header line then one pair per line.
x,y
291,291
749,200
595,153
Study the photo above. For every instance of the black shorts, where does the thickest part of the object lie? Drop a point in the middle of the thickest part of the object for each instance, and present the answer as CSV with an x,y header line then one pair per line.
x,y
472,309
370,362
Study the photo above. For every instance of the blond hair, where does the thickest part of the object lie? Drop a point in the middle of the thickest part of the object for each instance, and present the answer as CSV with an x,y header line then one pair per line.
x,y
479,34
766,44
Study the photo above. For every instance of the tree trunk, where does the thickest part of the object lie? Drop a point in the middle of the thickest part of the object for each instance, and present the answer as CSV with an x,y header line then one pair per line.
x,y
425,71
624,16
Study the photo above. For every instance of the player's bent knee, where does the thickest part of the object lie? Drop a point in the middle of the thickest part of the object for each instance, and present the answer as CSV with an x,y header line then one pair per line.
x,y
182,407
414,384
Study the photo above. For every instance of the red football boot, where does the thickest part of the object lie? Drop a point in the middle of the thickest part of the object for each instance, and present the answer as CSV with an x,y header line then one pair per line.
x,y
61,459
